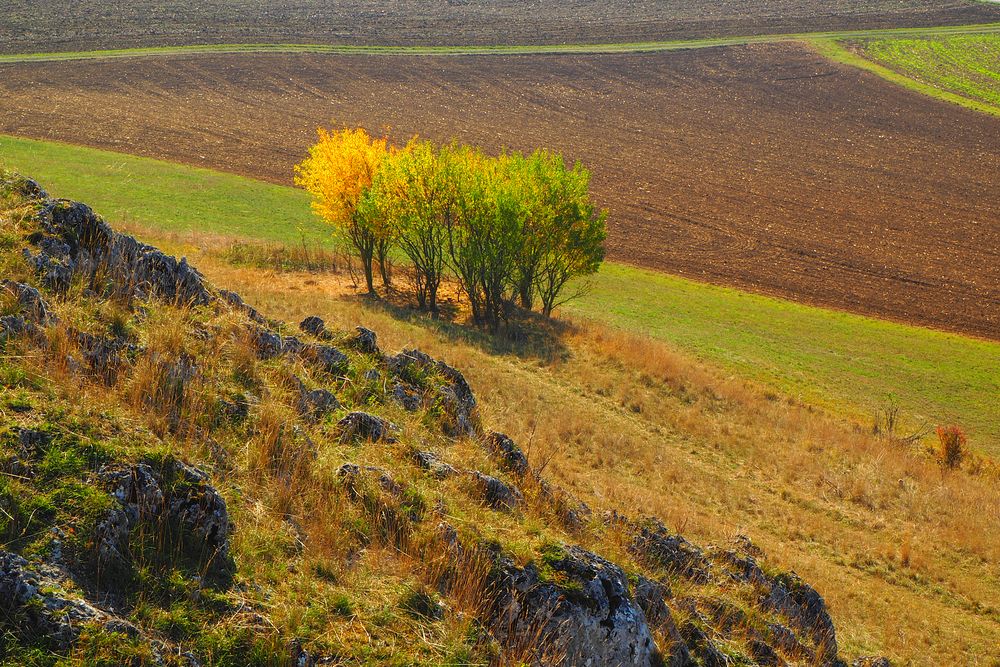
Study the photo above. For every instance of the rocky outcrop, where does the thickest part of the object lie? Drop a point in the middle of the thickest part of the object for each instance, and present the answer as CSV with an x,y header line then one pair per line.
x,y
786,594
577,610
507,453
32,305
106,356
76,241
178,497
432,463
314,404
495,493
366,426
655,544
408,396
33,311
871,661
315,326
651,596
270,344
806,610
454,394
35,603
365,341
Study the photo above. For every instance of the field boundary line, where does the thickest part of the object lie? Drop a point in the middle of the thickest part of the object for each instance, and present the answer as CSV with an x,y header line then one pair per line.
x,y
497,50
837,52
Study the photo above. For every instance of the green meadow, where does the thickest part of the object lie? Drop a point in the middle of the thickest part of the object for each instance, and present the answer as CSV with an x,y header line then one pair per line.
x,y
962,69
848,363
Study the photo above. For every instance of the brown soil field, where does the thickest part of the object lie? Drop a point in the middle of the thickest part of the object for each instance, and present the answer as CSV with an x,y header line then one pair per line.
x,y
766,167
44,25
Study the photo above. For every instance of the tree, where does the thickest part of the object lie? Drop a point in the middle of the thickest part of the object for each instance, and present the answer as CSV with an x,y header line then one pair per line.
x,y
417,193
571,231
484,232
562,234
337,173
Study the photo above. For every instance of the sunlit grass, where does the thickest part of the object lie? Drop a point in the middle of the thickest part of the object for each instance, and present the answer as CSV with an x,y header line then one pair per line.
x,y
845,362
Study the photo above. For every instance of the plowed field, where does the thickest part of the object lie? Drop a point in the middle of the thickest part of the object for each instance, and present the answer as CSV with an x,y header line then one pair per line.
x,y
43,25
765,167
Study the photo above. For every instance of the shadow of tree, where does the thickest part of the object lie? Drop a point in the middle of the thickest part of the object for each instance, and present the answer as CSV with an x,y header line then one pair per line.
x,y
526,335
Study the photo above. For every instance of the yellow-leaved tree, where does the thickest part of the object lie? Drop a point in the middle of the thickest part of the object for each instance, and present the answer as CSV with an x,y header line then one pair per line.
x,y
337,173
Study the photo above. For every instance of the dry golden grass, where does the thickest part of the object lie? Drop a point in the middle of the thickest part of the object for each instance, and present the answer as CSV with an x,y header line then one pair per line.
x,y
626,422
622,422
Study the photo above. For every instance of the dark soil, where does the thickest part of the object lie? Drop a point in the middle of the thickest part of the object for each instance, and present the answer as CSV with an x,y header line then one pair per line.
x,y
765,167
43,25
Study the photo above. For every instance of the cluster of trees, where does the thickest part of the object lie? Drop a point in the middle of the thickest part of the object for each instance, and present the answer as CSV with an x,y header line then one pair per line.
x,y
512,229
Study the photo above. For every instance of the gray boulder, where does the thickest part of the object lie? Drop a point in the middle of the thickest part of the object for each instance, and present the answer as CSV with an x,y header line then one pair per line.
x,y
432,463
315,326
365,341
495,493
455,394
34,603
507,453
407,395
366,426
328,358
314,404
588,619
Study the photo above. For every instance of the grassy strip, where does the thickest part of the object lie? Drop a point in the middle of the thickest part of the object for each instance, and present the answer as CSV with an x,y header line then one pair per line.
x,y
835,359
167,196
542,49
844,361
836,51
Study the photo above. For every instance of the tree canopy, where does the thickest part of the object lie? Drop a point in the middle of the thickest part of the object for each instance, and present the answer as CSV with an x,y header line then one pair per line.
x,y
513,229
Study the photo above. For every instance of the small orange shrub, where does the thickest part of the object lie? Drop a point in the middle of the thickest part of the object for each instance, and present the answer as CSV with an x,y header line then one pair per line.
x,y
952,442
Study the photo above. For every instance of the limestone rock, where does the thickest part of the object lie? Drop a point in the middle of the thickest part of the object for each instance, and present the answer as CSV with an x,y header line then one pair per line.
x,y
34,602
455,394
315,326
432,463
81,242
658,546
180,495
871,661
315,403
806,610
365,341
366,426
589,619
497,494
507,453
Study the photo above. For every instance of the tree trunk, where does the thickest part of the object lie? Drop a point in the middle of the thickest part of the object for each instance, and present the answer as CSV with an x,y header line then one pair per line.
x,y
383,267
366,262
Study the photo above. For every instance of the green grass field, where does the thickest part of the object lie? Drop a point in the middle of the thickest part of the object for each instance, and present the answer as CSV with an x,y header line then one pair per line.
x,y
967,65
964,69
842,361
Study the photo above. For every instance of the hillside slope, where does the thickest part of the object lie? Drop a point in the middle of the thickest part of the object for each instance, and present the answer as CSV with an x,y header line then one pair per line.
x,y
187,481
